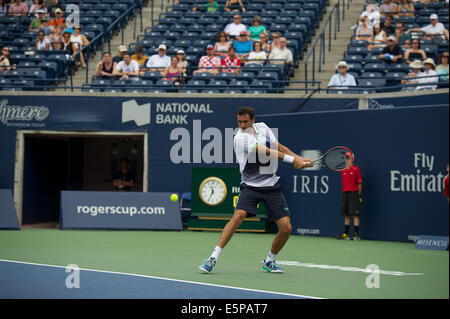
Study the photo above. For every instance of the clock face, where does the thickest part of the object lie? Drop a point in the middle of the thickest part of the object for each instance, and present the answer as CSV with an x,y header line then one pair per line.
x,y
213,191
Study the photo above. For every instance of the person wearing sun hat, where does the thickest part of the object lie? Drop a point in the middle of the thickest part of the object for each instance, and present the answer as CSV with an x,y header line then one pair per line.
x,y
341,80
428,75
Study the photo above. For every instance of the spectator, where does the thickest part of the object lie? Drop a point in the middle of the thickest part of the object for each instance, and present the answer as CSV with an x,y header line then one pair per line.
x,y
18,8
221,47
392,53
173,72
379,38
265,46
80,41
210,6
46,27
235,28
127,68
429,75
3,8
106,67
387,26
402,38
58,19
36,22
231,63
123,180
122,49
37,5
139,57
257,55
182,63
234,5
256,29
52,6
281,55
242,46
67,45
275,41
209,62
373,15
341,80
442,68
410,78
434,30
42,43
388,7
364,32
415,52
6,60
405,9
56,36
160,61
351,192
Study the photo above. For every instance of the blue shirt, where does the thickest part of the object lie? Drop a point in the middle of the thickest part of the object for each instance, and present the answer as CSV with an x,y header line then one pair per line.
x,y
243,47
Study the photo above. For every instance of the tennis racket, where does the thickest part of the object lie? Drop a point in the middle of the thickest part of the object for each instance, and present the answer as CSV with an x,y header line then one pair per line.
x,y
336,158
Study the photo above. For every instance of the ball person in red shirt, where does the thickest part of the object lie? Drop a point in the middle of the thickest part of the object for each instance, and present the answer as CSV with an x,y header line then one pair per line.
x,y
351,191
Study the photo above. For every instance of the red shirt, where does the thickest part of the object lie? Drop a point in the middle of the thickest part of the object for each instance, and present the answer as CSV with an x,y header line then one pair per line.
x,y
446,186
236,62
351,178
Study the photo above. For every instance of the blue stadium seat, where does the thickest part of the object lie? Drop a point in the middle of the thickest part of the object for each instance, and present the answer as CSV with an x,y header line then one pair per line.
x,y
358,51
370,75
374,67
226,76
238,84
217,84
234,91
354,67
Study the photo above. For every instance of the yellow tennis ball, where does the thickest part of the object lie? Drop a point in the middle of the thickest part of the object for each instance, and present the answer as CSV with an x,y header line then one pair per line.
x,y
174,197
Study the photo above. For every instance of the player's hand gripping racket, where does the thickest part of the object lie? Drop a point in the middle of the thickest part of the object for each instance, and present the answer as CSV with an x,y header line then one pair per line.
x,y
336,158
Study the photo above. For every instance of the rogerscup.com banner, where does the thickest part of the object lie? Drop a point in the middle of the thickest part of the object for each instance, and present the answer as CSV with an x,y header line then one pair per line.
x,y
119,210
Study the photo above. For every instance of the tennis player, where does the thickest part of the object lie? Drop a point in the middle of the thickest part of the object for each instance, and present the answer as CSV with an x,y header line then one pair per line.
x,y
257,151
351,192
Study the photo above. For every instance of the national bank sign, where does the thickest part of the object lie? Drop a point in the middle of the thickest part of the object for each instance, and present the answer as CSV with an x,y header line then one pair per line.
x,y
23,116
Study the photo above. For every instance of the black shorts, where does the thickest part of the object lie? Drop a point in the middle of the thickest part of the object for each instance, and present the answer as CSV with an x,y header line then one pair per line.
x,y
272,197
350,204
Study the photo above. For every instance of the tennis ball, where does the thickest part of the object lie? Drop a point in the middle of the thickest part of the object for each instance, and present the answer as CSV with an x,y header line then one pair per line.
x,y
174,197
360,200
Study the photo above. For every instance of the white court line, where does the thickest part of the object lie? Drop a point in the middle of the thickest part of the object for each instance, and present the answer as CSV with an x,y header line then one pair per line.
x,y
343,268
162,278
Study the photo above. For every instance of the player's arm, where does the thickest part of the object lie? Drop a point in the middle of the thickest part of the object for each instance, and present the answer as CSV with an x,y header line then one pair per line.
x,y
296,161
284,149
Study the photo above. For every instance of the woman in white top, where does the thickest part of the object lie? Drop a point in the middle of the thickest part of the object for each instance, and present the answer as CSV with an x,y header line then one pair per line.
x,y
257,55
429,75
79,40
42,43
37,5
221,47
379,38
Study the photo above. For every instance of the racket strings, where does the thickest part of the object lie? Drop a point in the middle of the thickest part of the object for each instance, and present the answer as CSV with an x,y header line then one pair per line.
x,y
335,159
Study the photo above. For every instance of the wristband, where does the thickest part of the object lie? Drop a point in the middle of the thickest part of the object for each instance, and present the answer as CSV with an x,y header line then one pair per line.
x,y
288,158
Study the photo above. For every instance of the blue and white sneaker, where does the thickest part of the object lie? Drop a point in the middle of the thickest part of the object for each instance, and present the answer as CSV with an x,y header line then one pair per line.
x,y
208,265
271,266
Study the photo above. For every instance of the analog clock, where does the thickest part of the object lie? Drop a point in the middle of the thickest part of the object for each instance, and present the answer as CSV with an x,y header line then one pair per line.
x,y
212,191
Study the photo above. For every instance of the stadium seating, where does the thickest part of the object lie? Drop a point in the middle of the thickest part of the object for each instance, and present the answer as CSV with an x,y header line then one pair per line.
x,y
43,70
180,28
372,74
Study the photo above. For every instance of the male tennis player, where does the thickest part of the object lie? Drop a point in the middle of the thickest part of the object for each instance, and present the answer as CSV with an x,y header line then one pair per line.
x,y
351,192
254,145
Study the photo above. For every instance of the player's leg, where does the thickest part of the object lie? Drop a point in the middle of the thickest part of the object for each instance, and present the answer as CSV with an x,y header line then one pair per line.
x,y
277,211
246,204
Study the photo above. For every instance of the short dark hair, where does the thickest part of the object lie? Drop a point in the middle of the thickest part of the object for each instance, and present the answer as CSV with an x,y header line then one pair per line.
x,y
139,49
246,110
124,159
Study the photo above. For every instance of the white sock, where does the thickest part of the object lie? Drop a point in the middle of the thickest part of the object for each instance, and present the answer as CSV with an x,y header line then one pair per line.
x,y
270,257
216,252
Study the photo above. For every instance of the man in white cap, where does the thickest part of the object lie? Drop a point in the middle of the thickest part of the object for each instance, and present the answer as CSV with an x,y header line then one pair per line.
x,y
434,30
122,49
392,52
235,28
160,61
341,80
